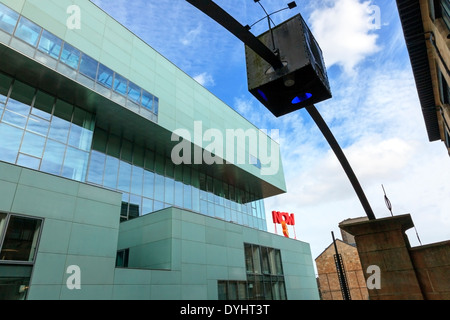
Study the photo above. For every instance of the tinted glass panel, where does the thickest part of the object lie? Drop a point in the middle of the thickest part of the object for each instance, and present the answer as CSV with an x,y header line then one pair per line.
x,y
21,239
33,144
70,56
96,167
105,76
16,113
53,157
134,93
120,84
43,105
50,44
8,19
88,66
11,138
75,164
28,161
147,100
28,31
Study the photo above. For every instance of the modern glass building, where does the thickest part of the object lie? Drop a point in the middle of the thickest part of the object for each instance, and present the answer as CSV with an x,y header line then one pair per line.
x,y
92,203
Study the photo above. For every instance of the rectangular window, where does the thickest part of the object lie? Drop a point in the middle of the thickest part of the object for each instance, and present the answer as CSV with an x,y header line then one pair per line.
x,y
11,138
105,76
134,93
120,84
21,239
88,66
8,19
50,44
147,100
122,258
28,31
70,56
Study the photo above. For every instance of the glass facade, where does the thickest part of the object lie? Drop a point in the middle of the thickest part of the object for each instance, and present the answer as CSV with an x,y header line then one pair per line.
x,y
44,133
54,52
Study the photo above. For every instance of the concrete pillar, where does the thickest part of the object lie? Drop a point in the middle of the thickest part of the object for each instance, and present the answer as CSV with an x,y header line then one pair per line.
x,y
383,243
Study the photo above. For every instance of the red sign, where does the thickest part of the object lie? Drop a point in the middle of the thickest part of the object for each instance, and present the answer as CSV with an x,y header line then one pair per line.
x,y
284,219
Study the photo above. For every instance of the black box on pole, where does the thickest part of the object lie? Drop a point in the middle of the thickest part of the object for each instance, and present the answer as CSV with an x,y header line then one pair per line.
x,y
302,81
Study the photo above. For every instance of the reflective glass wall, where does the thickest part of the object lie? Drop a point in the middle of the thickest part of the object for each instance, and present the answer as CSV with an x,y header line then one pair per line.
x,y
43,133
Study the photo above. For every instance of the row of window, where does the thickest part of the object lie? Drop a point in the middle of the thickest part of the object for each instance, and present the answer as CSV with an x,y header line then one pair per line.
x,y
43,133
440,9
265,277
52,46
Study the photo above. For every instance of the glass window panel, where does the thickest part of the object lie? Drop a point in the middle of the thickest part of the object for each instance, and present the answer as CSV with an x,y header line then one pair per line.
x,y
147,100
159,164
222,290
75,164
8,19
16,113
248,257
149,160
5,84
50,44
149,180
138,156
88,66
22,92
105,76
43,105
265,260
21,239
147,206
134,93
70,56
159,187
158,205
179,194
113,146
111,171
80,131
53,157
124,179
203,207
232,290
242,290
187,197
195,199
11,138
169,187
137,178
256,259
220,212
126,151
134,207
155,105
96,167
279,268
28,161
63,110
33,144
28,31
59,129
211,210
120,84
99,141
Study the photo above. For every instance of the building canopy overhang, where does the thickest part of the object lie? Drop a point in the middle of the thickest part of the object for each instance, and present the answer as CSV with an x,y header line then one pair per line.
x,y
121,121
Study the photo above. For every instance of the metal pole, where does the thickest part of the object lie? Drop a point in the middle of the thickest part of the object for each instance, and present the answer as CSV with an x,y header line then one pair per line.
x,y
315,115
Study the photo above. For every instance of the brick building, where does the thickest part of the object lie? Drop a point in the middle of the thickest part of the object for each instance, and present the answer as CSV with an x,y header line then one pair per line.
x,y
328,280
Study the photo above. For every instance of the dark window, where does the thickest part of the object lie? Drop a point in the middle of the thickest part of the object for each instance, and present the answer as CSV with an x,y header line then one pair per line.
x,y
21,238
122,258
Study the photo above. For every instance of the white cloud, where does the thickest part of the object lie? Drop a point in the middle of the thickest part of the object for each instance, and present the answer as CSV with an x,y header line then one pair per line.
x,y
344,32
205,79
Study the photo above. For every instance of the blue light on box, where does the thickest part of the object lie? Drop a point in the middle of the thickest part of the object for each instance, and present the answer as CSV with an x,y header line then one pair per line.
x,y
301,98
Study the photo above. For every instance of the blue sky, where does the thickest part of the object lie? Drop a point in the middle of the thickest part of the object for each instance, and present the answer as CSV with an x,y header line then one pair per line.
x,y
374,113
